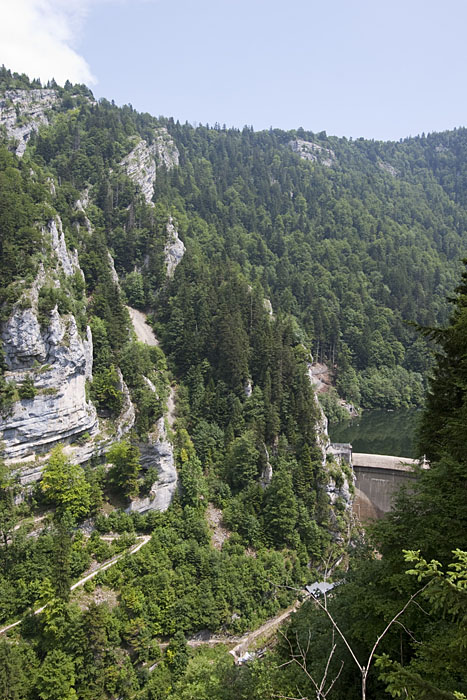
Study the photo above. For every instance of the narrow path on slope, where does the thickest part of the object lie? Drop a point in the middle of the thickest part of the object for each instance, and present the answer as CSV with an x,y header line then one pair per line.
x,y
88,577
265,630
144,333
242,643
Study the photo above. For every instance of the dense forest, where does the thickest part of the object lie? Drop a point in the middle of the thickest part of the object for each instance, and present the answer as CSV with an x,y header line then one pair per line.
x,y
299,247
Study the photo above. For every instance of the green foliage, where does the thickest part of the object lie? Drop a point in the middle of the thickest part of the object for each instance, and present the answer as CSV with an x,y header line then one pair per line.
x,y
18,668
194,490
333,410
64,485
7,394
347,255
280,510
20,211
126,467
49,298
437,669
177,655
106,392
56,677
242,461
134,289
27,389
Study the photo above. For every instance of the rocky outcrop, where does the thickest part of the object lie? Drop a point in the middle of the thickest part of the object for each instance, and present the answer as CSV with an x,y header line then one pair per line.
x,y
58,361
167,154
322,436
141,166
307,150
142,162
22,112
266,475
158,453
127,417
67,259
268,307
174,248
387,167
338,489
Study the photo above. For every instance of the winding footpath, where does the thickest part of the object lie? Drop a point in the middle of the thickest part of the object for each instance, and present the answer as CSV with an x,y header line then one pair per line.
x,y
106,565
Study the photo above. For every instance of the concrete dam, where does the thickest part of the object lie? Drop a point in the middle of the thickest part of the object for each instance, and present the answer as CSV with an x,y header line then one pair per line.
x,y
377,479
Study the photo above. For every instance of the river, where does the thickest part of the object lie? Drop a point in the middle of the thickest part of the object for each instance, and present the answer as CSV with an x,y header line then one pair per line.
x,y
379,432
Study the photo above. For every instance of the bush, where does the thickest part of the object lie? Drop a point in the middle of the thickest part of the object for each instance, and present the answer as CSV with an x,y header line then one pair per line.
x,y
27,390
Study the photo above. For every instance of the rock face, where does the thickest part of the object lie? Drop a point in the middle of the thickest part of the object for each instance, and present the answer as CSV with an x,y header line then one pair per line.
x,y
174,249
22,112
322,425
266,476
387,167
338,488
68,260
307,150
142,162
57,359
141,166
158,453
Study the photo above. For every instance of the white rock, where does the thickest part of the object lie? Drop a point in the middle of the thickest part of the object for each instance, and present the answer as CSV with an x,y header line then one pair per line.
x,y
68,261
388,168
33,107
142,162
59,360
158,453
248,388
127,417
174,248
307,150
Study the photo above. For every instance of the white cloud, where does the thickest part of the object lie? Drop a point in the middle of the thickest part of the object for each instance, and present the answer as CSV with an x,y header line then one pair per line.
x,y
37,37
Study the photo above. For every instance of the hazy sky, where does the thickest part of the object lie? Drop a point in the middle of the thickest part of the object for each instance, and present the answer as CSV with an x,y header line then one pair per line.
x,y
375,68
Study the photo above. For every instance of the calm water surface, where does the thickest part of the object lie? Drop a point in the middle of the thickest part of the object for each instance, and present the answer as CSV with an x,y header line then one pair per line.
x,y
379,432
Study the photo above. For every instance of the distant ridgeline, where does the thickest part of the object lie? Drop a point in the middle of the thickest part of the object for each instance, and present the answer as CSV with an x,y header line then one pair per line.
x,y
350,239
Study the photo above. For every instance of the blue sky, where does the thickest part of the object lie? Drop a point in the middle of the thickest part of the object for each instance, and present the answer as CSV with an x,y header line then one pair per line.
x,y
377,69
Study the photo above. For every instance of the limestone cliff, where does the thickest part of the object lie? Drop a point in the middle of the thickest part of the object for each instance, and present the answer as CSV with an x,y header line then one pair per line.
x,y
142,162
174,249
308,150
158,452
22,112
55,356
340,478
141,166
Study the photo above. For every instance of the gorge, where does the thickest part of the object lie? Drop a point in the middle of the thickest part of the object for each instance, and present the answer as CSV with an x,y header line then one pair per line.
x,y
166,295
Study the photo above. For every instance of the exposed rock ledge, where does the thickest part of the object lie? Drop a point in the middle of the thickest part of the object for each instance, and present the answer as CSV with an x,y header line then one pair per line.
x,y
59,361
174,248
142,162
141,166
307,150
159,453
336,489
33,106
56,358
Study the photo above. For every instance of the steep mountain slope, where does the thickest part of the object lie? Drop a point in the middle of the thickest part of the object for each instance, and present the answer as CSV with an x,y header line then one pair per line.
x,y
251,255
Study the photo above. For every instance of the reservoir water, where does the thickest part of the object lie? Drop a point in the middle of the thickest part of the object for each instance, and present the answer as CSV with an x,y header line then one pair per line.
x,y
379,432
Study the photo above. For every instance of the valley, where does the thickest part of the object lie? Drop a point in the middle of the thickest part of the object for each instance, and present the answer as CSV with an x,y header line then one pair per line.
x,y
186,315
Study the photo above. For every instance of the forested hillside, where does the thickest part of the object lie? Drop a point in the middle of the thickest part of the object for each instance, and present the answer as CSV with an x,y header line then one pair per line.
x,y
190,474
